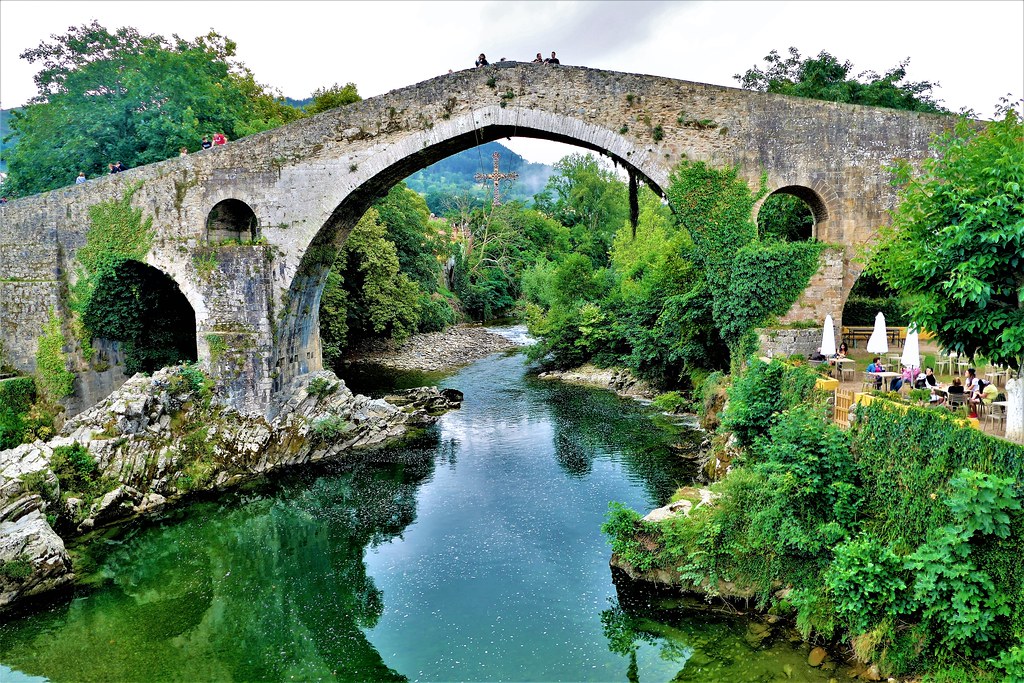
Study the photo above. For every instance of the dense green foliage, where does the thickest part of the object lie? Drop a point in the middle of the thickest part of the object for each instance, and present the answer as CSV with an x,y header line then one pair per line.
x,y
759,395
956,242
901,536
784,217
678,293
16,397
143,309
7,140
825,78
325,99
54,378
366,294
123,96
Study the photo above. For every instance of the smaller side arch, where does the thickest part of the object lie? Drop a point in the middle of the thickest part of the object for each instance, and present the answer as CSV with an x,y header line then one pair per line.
x,y
809,196
231,219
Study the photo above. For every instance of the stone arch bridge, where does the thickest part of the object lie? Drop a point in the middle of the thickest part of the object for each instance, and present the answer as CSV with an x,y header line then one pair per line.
x,y
303,186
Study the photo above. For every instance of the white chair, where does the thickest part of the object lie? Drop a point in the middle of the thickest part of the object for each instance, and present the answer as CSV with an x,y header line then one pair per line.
x,y
996,414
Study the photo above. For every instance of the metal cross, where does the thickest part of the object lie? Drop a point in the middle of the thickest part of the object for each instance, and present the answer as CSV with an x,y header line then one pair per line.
x,y
496,177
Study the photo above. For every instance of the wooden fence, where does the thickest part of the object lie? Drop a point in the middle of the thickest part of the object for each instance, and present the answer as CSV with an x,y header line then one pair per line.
x,y
841,411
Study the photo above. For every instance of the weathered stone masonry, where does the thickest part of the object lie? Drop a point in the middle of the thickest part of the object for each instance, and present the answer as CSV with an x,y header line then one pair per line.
x,y
309,182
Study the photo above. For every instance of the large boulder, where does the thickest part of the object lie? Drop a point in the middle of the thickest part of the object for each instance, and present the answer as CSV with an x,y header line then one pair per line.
x,y
33,559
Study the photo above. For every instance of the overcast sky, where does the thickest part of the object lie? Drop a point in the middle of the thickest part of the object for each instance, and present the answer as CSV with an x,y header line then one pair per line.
x,y
974,50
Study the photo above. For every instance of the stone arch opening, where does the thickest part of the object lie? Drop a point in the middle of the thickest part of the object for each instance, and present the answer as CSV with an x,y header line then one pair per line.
x,y
231,219
792,213
143,309
868,297
298,348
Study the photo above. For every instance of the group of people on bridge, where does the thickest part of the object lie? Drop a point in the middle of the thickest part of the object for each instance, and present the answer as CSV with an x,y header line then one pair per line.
x,y
482,60
205,143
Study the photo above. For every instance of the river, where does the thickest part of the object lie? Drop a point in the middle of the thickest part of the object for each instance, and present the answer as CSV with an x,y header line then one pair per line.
x,y
473,553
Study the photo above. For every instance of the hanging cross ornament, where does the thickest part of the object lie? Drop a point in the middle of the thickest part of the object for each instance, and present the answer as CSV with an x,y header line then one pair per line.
x,y
496,177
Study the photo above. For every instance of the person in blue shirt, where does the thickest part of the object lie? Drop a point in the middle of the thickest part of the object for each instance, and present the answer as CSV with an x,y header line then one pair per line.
x,y
876,366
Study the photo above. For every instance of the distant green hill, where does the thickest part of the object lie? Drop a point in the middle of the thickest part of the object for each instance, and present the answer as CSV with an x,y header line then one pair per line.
x,y
454,176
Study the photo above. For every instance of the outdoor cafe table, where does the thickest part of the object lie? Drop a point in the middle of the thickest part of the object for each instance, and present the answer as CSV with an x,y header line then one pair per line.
x,y
842,362
885,376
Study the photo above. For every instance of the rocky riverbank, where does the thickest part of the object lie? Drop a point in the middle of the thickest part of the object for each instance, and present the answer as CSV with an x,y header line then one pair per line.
x,y
433,351
762,628
619,380
158,439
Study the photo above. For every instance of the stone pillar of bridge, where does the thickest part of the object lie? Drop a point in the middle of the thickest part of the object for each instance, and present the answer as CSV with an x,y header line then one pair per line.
x,y
236,335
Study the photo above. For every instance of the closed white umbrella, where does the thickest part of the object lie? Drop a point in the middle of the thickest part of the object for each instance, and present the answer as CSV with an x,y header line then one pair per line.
x,y
828,338
879,341
911,349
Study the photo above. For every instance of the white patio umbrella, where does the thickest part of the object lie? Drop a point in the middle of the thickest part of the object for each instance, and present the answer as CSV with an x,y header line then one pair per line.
x,y
878,342
911,349
828,338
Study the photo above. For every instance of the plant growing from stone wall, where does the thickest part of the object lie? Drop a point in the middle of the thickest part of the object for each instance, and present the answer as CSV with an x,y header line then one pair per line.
x,y
55,380
748,280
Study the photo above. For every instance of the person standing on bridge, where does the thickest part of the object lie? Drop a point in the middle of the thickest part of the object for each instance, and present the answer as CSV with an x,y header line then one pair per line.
x,y
206,144
538,60
552,59
482,60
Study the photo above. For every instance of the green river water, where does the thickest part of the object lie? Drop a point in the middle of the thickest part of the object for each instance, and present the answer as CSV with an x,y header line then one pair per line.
x,y
471,554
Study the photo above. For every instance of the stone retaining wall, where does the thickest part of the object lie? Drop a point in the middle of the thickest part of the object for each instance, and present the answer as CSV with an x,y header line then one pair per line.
x,y
782,342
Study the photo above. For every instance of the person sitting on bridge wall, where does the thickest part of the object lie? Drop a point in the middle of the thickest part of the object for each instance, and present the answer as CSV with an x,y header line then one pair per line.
x,y
482,60
206,144
538,60
552,59
219,139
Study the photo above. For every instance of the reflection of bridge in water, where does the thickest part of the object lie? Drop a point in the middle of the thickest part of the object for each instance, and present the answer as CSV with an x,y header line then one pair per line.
x,y
292,195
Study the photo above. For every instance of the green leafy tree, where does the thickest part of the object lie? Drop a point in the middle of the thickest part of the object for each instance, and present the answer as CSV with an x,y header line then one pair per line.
x,y
407,218
377,300
124,96
333,97
589,200
826,78
956,246
786,218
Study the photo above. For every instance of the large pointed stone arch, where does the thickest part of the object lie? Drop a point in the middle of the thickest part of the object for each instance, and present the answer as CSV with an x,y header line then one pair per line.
x,y
305,181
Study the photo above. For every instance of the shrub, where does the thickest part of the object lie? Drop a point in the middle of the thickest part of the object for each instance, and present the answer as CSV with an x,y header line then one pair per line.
x,y
762,392
865,582
75,468
320,387
435,313
329,428
631,538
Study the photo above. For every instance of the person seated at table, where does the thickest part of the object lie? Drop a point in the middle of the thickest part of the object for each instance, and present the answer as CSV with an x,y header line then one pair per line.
x,y
876,366
971,385
926,381
956,387
839,355
906,377
986,393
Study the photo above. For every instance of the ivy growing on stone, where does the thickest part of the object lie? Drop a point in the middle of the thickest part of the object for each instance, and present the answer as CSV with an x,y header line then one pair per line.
x,y
55,380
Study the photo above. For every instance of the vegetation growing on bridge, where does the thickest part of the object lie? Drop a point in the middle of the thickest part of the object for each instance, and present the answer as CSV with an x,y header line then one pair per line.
x,y
826,78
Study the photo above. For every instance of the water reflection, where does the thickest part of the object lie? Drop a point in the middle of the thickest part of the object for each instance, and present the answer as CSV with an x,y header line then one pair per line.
x,y
473,554
266,587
